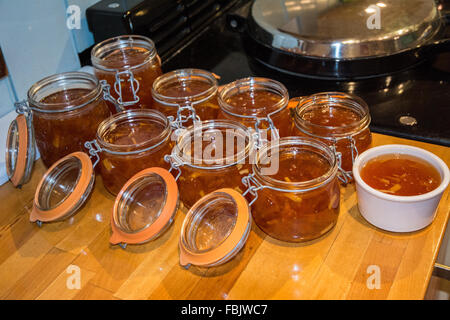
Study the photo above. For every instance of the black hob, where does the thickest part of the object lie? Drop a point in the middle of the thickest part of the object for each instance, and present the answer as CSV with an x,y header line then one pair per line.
x,y
413,104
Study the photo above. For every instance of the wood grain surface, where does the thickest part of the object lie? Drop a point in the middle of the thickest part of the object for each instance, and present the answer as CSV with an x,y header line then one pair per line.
x,y
34,261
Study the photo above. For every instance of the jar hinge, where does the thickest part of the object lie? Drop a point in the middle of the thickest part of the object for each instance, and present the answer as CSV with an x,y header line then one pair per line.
x,y
344,176
253,186
260,141
134,84
22,107
174,165
108,97
181,119
94,150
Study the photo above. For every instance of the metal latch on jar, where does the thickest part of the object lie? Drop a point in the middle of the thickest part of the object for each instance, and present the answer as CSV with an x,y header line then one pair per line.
x,y
345,176
22,107
94,150
181,118
260,141
174,165
108,97
134,85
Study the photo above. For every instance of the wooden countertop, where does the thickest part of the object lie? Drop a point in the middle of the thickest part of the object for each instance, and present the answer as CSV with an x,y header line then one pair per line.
x,y
34,261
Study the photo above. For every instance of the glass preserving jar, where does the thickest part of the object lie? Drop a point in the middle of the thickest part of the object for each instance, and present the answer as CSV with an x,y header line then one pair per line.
x,y
258,103
187,94
129,64
294,189
128,142
211,155
66,110
339,119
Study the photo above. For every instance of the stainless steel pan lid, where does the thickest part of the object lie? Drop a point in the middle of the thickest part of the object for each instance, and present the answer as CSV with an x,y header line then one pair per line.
x,y
345,29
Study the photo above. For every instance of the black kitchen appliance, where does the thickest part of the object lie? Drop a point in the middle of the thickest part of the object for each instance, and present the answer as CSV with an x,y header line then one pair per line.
x,y
169,23
412,103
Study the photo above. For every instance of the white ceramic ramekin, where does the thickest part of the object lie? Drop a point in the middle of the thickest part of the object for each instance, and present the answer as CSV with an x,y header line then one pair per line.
x,y
399,213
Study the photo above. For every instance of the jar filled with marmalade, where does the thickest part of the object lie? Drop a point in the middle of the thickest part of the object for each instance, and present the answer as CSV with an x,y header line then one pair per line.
x,y
66,110
129,64
211,155
129,142
339,119
258,103
187,94
294,189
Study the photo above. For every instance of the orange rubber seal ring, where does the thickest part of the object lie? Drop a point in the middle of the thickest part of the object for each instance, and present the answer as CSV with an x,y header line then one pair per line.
x,y
120,236
229,244
19,170
72,200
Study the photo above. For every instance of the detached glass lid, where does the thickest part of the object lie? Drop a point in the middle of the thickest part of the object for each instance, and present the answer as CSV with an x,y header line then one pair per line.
x,y
345,28
63,189
215,229
145,207
20,150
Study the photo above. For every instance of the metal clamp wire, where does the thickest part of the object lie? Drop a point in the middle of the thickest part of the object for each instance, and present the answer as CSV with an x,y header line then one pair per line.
x,y
134,84
106,88
99,149
175,164
94,149
22,107
258,121
254,186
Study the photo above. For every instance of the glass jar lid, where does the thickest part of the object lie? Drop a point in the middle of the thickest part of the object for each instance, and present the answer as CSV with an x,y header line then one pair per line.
x,y
145,207
20,150
64,188
345,29
215,229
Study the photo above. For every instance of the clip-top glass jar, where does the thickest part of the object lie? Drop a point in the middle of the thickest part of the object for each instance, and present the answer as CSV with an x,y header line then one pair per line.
x,y
258,103
66,110
339,119
128,142
187,94
294,189
211,155
129,64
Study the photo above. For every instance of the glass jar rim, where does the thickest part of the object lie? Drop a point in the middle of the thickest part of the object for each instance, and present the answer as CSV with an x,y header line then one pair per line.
x,y
337,99
239,157
152,143
60,79
251,82
120,42
182,75
296,186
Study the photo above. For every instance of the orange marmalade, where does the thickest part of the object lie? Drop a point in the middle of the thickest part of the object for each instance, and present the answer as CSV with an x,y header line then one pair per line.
x,y
400,175
299,202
